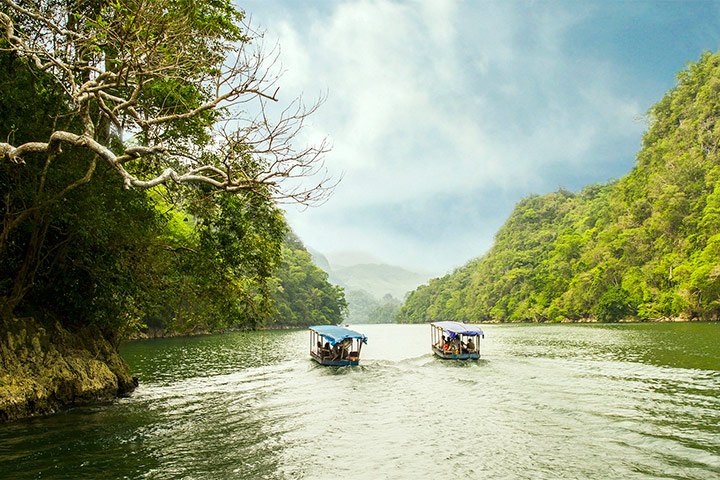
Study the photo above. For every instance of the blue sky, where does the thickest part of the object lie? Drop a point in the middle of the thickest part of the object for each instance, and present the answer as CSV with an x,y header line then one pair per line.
x,y
444,114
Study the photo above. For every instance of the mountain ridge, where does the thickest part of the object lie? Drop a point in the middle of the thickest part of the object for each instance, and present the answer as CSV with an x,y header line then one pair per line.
x,y
369,286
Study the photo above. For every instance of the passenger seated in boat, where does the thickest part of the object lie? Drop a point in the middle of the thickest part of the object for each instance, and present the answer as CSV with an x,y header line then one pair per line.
x,y
325,352
470,345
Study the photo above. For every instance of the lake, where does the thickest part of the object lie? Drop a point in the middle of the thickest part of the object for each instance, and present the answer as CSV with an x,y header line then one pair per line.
x,y
589,401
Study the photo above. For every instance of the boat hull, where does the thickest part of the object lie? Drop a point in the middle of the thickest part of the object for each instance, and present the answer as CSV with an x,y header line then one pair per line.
x,y
334,363
455,356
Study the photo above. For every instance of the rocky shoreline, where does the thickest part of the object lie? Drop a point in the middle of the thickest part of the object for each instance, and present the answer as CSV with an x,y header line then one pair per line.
x,y
44,367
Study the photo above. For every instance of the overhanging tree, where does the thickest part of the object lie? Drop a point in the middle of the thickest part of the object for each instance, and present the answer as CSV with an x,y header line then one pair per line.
x,y
160,92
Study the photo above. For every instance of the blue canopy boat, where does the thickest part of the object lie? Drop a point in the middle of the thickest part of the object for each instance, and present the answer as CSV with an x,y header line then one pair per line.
x,y
455,340
335,345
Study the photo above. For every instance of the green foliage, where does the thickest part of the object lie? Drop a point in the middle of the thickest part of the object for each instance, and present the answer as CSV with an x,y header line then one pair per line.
x,y
116,258
217,262
645,246
386,312
179,259
360,305
613,305
301,290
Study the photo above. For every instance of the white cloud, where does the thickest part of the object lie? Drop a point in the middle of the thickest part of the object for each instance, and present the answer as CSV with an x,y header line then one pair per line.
x,y
430,99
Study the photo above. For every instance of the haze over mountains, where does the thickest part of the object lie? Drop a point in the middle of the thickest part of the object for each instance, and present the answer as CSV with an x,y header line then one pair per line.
x,y
369,284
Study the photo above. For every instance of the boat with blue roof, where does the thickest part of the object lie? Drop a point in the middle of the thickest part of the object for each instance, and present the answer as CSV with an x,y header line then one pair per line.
x,y
455,340
335,345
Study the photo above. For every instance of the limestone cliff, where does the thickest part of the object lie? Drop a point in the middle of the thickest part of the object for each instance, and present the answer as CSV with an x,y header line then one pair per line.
x,y
44,367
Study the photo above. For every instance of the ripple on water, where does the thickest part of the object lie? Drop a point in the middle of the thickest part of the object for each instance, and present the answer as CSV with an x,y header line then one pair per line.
x,y
542,403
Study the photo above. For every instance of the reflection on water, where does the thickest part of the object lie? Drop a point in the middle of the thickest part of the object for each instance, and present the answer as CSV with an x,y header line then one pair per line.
x,y
545,401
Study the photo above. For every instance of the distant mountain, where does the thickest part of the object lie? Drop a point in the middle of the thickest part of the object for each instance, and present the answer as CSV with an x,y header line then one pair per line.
x,y
378,279
347,258
360,306
319,259
368,286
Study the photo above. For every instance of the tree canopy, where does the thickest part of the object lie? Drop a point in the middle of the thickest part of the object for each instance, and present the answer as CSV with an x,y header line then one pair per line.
x,y
141,164
184,83
302,292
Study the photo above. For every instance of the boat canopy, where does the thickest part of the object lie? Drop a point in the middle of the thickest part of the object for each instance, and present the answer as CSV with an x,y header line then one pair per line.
x,y
456,328
335,333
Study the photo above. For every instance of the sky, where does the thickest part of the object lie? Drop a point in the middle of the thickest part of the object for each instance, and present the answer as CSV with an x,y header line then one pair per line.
x,y
443,114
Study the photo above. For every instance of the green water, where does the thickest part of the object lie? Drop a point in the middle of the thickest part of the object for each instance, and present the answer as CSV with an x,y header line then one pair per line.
x,y
544,402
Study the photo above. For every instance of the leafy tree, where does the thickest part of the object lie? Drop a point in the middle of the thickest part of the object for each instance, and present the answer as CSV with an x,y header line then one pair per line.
x,y
106,92
301,291
613,305
360,305
101,101
218,263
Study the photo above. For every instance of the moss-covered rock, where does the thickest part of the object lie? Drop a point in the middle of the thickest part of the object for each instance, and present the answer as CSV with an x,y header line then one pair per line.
x,y
44,367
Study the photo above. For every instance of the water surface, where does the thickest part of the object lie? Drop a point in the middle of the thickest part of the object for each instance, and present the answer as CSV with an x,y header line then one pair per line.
x,y
544,402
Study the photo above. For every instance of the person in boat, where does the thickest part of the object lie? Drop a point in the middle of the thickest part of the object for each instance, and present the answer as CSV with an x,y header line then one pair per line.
x,y
325,351
449,346
470,345
454,346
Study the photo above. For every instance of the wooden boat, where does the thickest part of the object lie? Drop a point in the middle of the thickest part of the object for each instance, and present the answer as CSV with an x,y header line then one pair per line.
x,y
335,345
455,340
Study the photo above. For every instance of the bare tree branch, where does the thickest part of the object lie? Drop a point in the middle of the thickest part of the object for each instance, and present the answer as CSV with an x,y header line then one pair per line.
x,y
137,78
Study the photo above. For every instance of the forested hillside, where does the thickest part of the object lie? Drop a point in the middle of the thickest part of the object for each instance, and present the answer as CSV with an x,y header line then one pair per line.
x,y
302,292
646,246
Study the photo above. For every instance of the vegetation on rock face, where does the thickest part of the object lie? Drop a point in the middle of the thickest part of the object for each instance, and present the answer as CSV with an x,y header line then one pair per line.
x,y
301,291
646,246
127,200
46,367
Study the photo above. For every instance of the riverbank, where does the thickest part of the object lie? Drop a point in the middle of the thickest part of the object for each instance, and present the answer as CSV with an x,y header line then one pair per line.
x,y
44,367
677,319
150,333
